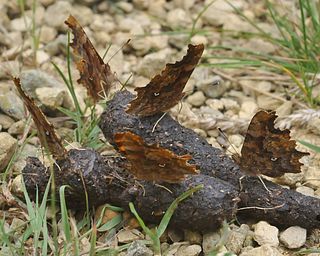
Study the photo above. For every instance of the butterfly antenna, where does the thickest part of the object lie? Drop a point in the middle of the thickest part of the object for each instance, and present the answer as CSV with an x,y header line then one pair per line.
x,y
227,139
123,85
106,51
126,43
158,121
263,184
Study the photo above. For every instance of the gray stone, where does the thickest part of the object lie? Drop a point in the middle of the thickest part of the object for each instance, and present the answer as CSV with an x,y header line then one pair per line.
x,y
209,242
314,125
199,39
285,108
141,45
264,250
153,63
41,57
178,18
127,23
215,104
21,24
17,127
33,79
200,132
5,121
265,234
138,248
57,13
236,238
17,186
125,6
189,250
175,235
260,46
220,13
141,4
57,46
178,40
6,68
236,140
230,104
8,145
266,102
103,23
38,15
290,179
47,34
46,3
193,237
294,237
83,14
18,226
197,99
248,108
127,236
184,4
173,248
12,105
157,9
307,191
50,97
213,87
158,42
312,176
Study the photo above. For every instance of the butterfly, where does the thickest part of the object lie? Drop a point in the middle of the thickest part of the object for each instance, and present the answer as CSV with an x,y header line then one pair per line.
x,y
152,162
95,75
165,89
46,133
268,150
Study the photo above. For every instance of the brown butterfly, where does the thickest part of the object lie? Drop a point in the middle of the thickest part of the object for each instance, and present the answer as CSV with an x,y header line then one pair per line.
x,y
151,162
267,150
46,133
165,90
95,75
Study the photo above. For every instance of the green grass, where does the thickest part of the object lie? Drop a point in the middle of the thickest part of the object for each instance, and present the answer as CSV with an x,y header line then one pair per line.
x,y
33,31
158,232
307,251
19,148
313,147
298,47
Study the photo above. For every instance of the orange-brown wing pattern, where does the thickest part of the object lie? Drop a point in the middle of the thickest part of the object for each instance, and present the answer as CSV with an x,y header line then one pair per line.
x,y
46,133
268,150
151,162
95,75
165,90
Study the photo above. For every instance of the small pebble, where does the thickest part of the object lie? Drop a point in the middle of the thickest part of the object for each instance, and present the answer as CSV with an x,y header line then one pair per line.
x,y
294,237
197,99
265,234
127,236
307,191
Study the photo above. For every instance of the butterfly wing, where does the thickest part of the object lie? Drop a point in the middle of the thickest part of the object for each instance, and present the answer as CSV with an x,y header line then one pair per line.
x,y
46,133
95,75
165,90
151,162
268,150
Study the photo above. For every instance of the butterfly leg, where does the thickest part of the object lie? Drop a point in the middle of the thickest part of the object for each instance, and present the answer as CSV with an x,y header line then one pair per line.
x,y
261,180
240,182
